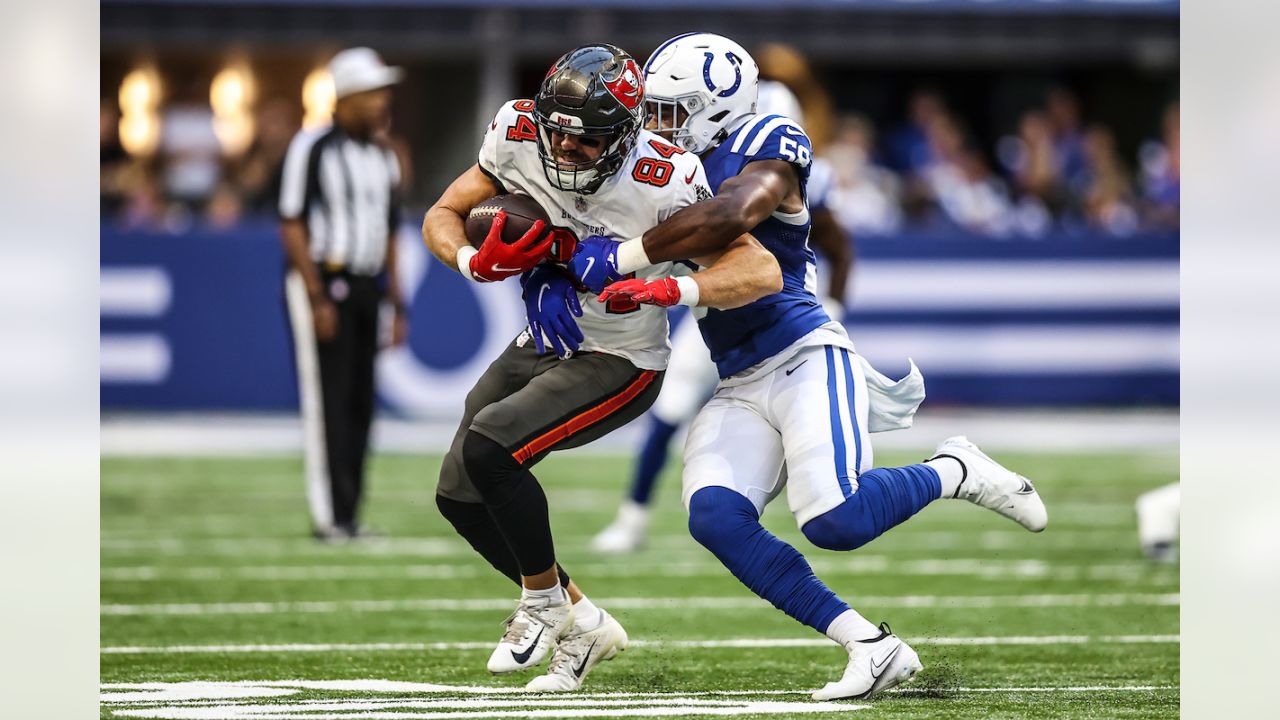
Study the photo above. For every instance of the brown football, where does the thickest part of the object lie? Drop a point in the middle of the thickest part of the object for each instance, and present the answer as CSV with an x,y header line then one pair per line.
x,y
522,212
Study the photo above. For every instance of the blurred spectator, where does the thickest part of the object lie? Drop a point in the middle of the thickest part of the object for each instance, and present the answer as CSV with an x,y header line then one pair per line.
x,y
1031,160
224,208
1161,171
866,197
144,208
114,163
190,154
908,145
258,175
1063,110
1108,195
974,198
958,182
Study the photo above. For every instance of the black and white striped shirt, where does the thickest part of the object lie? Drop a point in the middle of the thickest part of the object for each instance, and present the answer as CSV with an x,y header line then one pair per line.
x,y
345,190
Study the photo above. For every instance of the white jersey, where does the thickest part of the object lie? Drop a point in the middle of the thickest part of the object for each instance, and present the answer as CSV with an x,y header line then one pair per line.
x,y
656,180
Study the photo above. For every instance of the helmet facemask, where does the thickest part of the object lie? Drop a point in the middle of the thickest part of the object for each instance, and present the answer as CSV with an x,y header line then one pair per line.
x,y
584,177
669,118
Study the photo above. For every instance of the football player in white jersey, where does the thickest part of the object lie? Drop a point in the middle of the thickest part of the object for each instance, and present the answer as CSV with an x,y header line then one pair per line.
x,y
578,149
692,377
795,404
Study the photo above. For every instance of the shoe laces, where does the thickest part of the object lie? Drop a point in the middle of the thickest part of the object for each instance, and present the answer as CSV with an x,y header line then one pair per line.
x,y
569,649
518,623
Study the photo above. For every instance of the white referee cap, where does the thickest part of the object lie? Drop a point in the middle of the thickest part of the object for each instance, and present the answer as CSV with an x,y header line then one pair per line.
x,y
359,69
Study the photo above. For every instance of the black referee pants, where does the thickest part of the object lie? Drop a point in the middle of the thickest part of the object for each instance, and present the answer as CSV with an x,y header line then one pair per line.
x,y
341,383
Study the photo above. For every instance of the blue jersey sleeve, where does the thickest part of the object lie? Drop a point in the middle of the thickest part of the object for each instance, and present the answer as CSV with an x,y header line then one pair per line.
x,y
774,137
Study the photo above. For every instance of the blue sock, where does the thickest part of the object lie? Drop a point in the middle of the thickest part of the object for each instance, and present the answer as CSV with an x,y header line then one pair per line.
x,y
885,498
727,524
653,457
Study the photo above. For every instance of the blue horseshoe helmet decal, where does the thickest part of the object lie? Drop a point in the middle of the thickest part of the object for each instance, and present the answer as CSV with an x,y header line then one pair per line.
x,y
737,69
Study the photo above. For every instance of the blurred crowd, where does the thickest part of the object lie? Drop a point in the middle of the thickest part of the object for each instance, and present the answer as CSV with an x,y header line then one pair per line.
x,y
1055,172
189,180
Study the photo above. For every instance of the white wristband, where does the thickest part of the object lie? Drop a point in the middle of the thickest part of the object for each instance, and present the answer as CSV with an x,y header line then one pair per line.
x,y
632,257
689,291
463,258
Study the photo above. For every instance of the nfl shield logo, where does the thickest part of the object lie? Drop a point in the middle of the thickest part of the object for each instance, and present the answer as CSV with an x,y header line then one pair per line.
x,y
580,204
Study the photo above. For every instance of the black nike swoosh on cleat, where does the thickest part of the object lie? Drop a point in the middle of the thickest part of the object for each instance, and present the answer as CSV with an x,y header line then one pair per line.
x,y
585,657
522,657
797,367
877,669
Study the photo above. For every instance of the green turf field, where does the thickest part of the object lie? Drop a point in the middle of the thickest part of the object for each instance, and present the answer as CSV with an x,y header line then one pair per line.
x,y
209,578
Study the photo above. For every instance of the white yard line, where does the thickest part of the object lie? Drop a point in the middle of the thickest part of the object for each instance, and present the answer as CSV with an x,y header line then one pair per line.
x,y
697,644
171,434
881,565
248,700
200,690
635,603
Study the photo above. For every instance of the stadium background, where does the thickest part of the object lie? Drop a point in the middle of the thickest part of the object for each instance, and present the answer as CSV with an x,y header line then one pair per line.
x,y
1008,169
1027,262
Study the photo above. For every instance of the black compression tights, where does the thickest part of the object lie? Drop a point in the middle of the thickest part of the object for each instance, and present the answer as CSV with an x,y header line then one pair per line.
x,y
515,502
474,523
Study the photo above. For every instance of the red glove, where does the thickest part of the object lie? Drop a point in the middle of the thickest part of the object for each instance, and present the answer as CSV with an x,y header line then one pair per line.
x,y
563,243
497,260
663,292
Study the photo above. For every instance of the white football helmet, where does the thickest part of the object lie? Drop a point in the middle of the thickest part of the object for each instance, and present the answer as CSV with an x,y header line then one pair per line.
x,y
709,79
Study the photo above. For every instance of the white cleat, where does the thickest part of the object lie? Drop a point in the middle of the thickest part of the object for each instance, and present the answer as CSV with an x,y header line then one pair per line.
x,y
875,665
577,654
532,630
991,485
628,532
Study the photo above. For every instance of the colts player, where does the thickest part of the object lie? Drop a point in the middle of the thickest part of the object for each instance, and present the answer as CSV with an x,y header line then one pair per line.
x,y
795,404
578,149
692,377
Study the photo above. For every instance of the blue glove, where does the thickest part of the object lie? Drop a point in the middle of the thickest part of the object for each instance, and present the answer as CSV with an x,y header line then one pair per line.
x,y
550,304
595,263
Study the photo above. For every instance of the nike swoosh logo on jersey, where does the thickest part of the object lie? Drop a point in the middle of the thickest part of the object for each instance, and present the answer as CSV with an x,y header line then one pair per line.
x,y
522,657
797,367
585,657
689,180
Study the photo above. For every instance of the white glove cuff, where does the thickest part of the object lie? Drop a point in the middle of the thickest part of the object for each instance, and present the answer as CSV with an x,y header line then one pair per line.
x,y
632,257
689,292
463,259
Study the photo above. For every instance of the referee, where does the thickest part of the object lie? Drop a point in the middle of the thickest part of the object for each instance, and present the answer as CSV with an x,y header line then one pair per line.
x,y
339,211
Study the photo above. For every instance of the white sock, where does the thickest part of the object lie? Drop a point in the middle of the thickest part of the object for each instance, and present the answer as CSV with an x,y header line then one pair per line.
x,y
950,471
849,627
554,594
586,616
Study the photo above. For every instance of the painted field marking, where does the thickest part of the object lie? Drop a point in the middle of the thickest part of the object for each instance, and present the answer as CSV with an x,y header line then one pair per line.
x,y
694,644
990,569
386,699
633,603
206,691
222,701
127,541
